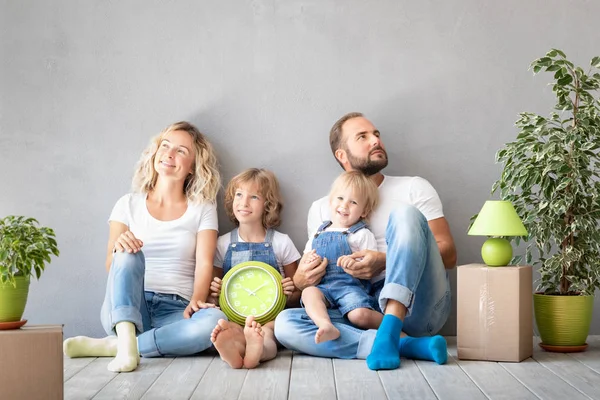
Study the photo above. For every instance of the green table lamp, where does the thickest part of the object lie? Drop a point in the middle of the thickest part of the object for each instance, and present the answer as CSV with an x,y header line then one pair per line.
x,y
497,218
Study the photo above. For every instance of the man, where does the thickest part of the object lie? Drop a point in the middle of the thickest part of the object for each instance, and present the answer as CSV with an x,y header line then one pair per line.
x,y
415,247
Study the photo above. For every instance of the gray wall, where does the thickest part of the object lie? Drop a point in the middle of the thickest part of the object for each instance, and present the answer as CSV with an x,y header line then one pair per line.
x,y
85,84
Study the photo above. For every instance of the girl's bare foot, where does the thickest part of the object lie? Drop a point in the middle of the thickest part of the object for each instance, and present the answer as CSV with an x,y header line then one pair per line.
x,y
326,333
254,342
229,341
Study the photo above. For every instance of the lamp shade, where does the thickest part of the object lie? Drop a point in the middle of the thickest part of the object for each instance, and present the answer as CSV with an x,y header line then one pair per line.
x,y
498,218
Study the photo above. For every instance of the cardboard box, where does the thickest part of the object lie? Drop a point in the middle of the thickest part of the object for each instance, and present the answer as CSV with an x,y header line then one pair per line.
x,y
495,318
31,363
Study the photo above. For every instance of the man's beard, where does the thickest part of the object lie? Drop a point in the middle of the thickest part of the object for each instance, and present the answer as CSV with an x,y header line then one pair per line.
x,y
367,166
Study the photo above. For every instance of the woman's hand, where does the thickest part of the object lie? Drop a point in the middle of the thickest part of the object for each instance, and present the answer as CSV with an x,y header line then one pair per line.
x,y
194,306
310,270
128,242
288,287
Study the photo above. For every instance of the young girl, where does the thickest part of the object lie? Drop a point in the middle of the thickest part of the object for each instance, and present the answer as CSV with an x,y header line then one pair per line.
x,y
352,198
159,256
253,203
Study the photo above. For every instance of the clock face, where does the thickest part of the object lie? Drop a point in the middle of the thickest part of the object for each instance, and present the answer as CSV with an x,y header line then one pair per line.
x,y
251,291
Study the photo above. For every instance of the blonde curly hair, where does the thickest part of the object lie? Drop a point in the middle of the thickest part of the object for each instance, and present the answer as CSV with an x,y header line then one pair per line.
x,y
200,186
269,189
361,185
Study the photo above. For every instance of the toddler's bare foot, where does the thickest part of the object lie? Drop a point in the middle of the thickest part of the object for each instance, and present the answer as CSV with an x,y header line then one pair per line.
x,y
326,333
227,341
254,342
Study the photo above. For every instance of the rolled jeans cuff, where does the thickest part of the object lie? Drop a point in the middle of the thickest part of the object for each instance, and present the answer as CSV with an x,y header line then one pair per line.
x,y
129,314
147,345
365,343
393,291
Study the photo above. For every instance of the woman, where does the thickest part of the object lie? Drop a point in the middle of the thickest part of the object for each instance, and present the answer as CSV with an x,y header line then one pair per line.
x,y
160,254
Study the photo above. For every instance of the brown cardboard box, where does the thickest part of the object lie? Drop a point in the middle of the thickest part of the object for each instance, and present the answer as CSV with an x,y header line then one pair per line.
x,y
31,363
495,320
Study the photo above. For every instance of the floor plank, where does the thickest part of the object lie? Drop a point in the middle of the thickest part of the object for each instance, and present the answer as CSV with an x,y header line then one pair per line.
x,y
407,382
179,379
71,366
133,385
541,381
311,378
449,381
590,357
569,369
354,380
90,380
220,382
269,380
493,380
294,376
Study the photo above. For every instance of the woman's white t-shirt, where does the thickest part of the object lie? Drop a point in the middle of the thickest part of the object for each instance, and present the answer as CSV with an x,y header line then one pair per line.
x,y
169,246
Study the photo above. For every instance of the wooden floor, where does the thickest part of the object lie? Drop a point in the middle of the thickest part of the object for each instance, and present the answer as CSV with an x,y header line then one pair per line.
x,y
295,376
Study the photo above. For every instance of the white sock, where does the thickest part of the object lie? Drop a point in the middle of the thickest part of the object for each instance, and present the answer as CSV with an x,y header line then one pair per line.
x,y
128,357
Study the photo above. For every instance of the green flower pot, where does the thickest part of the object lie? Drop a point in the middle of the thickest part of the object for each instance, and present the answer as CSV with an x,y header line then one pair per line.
x,y
13,299
563,320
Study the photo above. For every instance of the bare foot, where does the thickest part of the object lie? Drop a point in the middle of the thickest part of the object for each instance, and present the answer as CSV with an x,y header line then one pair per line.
x,y
254,342
229,341
326,333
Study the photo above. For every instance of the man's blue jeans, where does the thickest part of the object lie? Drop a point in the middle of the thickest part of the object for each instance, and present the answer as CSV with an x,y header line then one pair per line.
x,y
415,276
158,317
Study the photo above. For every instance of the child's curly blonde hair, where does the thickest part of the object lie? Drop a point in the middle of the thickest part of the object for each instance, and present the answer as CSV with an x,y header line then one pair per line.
x,y
269,189
362,185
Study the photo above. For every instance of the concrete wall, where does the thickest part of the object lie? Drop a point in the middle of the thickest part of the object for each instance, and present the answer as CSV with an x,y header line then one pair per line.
x,y
84,85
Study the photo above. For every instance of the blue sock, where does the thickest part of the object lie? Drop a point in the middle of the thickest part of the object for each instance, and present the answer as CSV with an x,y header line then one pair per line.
x,y
425,348
385,353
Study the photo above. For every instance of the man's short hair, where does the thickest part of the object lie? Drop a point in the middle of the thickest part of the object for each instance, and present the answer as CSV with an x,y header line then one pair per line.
x,y
335,134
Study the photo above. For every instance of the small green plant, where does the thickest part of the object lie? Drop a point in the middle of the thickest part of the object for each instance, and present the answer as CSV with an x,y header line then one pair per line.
x,y
25,248
551,174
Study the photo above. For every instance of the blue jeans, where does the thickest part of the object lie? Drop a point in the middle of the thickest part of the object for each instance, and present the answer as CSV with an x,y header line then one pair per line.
x,y
415,276
158,317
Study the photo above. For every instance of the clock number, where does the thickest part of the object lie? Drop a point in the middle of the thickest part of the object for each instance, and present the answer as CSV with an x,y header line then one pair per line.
x,y
237,286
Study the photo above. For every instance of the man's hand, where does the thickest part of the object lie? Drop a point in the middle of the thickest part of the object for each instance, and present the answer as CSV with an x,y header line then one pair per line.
x,y
365,264
310,270
194,306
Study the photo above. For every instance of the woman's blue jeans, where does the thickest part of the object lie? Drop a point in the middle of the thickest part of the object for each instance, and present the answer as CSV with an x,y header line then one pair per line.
x,y
158,317
415,276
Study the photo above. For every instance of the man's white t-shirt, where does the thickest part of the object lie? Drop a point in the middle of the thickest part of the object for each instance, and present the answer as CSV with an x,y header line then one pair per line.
x,y
393,191
283,247
169,246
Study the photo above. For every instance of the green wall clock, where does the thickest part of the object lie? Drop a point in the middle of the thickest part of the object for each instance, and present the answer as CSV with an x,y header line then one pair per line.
x,y
252,288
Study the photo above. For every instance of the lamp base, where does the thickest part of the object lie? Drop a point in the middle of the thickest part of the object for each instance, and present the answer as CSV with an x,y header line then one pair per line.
x,y
496,252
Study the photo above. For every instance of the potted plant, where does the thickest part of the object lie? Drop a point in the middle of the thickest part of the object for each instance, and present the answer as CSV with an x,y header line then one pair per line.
x,y
25,249
551,174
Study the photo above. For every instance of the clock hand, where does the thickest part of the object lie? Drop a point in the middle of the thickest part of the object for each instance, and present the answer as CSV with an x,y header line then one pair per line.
x,y
255,290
